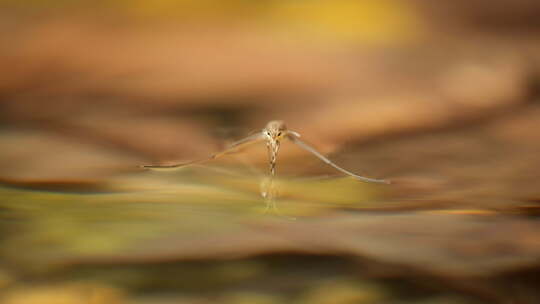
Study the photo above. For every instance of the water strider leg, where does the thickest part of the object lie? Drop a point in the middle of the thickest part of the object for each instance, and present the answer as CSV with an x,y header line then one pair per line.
x,y
294,137
231,149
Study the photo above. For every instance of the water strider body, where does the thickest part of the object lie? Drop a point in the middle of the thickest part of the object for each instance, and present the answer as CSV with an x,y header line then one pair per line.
x,y
274,132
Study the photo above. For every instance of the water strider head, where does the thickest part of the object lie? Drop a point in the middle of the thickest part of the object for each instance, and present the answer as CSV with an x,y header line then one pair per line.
x,y
275,130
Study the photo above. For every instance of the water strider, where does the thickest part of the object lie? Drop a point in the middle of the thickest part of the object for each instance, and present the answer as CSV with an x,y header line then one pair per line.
x,y
274,132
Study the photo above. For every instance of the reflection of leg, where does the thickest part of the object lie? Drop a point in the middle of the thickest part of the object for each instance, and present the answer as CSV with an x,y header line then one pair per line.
x,y
267,207
269,193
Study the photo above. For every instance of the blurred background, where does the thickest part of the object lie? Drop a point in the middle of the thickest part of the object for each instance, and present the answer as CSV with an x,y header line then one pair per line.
x,y
440,97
